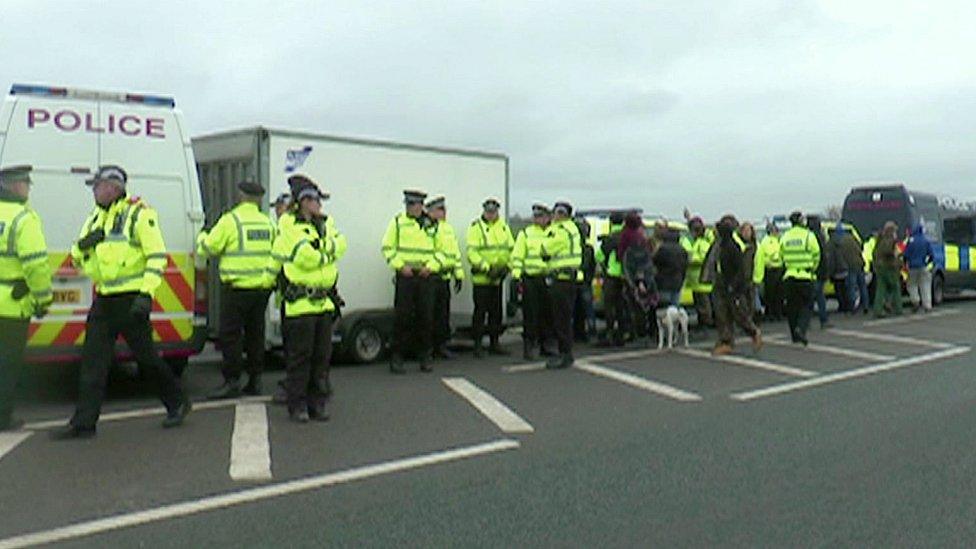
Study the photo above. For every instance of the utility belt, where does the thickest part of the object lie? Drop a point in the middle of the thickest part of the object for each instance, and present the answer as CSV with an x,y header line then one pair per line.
x,y
18,287
565,274
294,292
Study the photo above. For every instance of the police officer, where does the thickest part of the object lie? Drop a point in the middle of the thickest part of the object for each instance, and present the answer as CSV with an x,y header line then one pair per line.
x,y
242,239
281,204
772,262
801,257
448,254
121,249
614,308
306,250
490,244
25,281
563,252
529,272
409,249
698,249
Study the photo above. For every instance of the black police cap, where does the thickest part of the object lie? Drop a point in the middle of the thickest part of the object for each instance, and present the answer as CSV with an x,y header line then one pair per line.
x,y
250,188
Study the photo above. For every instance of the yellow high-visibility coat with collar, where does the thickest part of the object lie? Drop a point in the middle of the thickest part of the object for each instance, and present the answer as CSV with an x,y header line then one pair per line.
x,y
242,239
490,245
23,259
308,258
526,256
411,241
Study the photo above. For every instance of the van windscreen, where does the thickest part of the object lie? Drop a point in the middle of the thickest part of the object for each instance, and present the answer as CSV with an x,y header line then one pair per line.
x,y
870,209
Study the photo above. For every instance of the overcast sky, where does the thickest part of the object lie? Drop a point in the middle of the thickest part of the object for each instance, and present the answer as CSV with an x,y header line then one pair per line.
x,y
752,107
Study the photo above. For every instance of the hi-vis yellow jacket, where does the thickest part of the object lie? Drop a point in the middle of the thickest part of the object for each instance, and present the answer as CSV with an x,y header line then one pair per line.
x,y
411,241
308,258
23,260
447,252
489,245
132,258
242,239
564,246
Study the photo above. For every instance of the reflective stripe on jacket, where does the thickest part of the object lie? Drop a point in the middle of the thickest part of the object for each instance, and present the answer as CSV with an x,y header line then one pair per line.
x,y
410,241
447,252
23,259
308,258
489,245
564,247
527,252
801,253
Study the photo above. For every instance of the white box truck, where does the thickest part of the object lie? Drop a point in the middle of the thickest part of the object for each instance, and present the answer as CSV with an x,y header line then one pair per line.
x,y
365,179
65,134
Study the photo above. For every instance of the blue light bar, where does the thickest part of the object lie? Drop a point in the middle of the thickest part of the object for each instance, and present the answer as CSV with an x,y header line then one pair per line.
x,y
25,89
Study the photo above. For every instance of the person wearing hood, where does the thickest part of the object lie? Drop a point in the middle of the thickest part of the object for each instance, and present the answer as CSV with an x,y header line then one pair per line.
x,y
887,267
839,268
919,257
732,289
670,265
856,284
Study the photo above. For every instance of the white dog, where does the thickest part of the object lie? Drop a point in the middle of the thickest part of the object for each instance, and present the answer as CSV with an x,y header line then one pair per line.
x,y
669,319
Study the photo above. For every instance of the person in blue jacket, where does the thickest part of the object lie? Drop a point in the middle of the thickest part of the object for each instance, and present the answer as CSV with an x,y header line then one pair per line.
x,y
919,257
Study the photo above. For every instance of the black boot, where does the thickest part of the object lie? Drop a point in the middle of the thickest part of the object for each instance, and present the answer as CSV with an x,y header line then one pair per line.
x,y
396,364
529,351
176,417
479,351
253,387
496,349
425,363
318,413
443,352
71,433
230,389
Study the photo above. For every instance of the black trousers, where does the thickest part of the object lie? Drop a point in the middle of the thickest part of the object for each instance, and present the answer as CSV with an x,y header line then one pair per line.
x,y
615,308
773,293
562,296
13,341
487,305
413,305
442,311
308,354
108,317
536,311
799,305
242,314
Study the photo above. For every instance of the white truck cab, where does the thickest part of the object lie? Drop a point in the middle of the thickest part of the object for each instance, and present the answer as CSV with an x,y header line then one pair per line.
x,y
65,134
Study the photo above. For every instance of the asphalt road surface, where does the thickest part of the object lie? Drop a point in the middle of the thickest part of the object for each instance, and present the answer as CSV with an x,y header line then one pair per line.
x,y
865,438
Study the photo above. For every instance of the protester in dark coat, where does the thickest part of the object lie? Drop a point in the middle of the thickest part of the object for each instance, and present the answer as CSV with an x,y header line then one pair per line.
x,y
731,291
670,264
838,267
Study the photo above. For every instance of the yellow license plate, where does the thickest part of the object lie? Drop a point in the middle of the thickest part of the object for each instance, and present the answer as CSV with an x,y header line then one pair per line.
x,y
68,297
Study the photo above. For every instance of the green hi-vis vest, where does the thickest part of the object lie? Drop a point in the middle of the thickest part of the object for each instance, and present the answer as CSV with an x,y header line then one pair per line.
x,y
23,260
489,245
801,253
410,242
242,239
527,253
132,258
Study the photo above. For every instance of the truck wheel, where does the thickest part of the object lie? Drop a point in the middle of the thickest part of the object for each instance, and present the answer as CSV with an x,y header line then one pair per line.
x,y
938,290
365,343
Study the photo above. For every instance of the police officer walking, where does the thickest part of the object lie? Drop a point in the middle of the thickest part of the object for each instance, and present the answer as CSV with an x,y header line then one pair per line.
x,y
409,249
490,244
242,239
563,252
529,272
448,254
307,249
25,281
801,257
121,249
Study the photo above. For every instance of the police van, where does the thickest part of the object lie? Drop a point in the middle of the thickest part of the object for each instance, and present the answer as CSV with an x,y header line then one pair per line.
x,y
950,226
65,134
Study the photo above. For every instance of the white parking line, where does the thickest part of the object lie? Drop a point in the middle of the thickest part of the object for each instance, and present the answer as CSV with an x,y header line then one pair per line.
x,y
911,318
750,362
625,355
849,374
146,412
250,449
639,382
530,367
9,441
831,350
492,408
251,495
891,338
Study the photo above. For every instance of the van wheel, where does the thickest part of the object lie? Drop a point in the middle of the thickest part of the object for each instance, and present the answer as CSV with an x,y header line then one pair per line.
x,y
938,290
365,343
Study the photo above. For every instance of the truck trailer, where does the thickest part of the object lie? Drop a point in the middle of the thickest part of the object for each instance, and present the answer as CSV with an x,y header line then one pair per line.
x,y
365,179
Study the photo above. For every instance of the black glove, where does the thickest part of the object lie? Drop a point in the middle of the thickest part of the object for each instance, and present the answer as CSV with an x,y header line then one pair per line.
x,y
545,257
20,289
457,286
91,239
141,306
317,244
40,311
